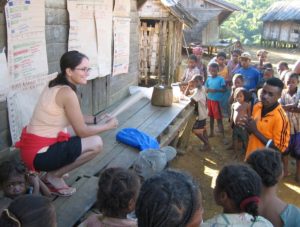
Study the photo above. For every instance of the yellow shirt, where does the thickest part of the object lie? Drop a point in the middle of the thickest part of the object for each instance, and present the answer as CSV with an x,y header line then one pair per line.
x,y
274,125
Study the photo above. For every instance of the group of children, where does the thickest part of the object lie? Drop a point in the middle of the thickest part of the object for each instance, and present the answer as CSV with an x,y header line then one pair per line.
x,y
246,192
232,88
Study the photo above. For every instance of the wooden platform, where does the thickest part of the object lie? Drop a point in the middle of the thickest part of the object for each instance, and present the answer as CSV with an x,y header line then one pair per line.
x,y
163,123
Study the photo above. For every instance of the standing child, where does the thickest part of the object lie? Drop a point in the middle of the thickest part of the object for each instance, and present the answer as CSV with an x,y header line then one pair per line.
x,y
117,195
237,81
290,101
237,190
16,181
239,109
215,87
191,71
199,97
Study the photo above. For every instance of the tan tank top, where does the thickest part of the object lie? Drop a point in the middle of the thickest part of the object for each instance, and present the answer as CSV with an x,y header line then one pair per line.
x,y
48,118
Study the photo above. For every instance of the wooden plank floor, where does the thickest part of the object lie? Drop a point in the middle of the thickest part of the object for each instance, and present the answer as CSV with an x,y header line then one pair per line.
x,y
150,119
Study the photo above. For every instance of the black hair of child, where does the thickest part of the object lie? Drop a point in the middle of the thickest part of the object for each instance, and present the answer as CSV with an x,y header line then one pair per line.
x,y
214,66
221,54
268,65
11,168
275,82
293,75
267,163
29,211
116,187
193,57
168,199
285,64
236,51
70,59
247,94
240,182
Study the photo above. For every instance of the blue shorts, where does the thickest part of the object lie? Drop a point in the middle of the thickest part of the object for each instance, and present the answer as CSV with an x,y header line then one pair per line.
x,y
294,146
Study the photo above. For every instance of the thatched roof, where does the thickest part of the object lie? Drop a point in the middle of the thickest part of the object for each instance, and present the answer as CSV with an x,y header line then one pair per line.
x,y
283,11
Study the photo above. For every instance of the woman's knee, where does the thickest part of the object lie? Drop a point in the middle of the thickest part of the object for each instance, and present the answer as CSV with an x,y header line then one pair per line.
x,y
93,143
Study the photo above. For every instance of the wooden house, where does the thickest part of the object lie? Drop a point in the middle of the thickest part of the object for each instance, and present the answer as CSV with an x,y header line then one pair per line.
x,y
210,15
161,26
100,92
281,24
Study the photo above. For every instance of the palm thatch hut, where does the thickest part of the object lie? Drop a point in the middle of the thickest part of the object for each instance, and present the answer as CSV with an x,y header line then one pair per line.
x,y
281,24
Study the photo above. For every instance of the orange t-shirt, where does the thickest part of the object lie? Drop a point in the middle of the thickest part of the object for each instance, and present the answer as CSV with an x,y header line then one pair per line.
x,y
275,126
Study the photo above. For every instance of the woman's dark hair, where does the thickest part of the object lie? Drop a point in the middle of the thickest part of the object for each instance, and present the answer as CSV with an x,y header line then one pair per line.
x,y
70,60
241,183
169,199
30,211
221,54
11,168
193,58
267,164
117,187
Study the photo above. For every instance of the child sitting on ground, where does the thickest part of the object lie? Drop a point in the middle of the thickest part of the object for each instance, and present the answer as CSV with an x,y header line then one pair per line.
x,y
16,181
168,199
267,163
117,194
239,109
237,190
199,97
29,211
215,88
290,102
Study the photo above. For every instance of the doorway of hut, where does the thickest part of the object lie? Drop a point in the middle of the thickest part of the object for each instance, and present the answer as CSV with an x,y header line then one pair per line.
x,y
160,50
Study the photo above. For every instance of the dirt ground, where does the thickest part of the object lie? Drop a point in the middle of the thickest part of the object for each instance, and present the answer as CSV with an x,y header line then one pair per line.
x,y
204,166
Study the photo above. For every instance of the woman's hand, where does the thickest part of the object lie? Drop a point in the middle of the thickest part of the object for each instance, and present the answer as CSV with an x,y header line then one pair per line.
x,y
111,122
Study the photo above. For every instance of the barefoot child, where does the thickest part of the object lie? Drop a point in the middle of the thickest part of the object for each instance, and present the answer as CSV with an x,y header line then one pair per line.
x,y
117,195
16,181
239,109
267,164
237,190
215,87
290,101
199,97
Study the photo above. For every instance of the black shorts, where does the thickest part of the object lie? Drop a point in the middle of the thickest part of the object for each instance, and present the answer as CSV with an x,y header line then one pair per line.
x,y
58,155
199,124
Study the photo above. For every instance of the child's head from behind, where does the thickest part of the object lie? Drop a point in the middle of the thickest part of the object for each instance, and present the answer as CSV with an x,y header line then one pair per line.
x,y
238,80
267,164
29,211
192,61
213,69
12,178
170,198
237,189
117,192
241,95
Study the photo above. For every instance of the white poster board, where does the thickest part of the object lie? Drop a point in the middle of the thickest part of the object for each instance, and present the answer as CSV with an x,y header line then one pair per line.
x,y
90,33
121,45
26,42
122,8
4,77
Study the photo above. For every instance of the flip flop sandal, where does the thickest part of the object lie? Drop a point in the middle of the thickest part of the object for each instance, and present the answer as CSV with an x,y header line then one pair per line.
x,y
58,191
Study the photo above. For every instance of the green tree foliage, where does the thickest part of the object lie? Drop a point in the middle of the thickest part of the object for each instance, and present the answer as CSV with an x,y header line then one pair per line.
x,y
246,25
